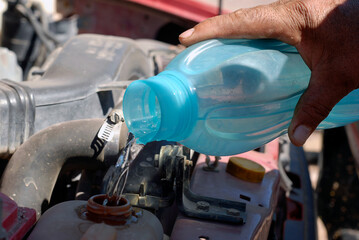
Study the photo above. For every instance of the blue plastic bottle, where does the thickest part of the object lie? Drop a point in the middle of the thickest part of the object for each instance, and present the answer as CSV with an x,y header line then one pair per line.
x,y
224,97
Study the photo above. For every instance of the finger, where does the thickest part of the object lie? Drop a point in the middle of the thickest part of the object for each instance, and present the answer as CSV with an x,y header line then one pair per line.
x,y
314,106
269,21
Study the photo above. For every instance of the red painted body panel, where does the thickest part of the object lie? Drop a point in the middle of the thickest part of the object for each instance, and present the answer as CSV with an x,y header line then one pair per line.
x,y
135,18
17,221
186,9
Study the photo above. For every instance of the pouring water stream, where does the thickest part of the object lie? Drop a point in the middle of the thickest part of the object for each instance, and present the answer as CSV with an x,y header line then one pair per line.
x,y
118,178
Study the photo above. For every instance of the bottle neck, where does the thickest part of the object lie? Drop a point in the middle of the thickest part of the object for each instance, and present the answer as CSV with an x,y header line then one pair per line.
x,y
162,107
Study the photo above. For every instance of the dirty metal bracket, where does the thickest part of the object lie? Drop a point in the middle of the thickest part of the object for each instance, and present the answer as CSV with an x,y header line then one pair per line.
x,y
148,201
203,207
157,170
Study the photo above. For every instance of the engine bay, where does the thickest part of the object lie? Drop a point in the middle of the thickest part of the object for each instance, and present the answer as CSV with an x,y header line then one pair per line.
x,y
58,166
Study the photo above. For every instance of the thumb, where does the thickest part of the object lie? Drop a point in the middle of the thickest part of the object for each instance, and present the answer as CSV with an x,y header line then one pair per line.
x,y
266,21
314,106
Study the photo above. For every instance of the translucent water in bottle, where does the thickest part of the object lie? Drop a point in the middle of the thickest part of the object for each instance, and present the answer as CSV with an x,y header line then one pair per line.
x,y
224,97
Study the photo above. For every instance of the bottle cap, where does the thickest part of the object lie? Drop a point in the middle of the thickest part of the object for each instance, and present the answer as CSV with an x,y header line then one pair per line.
x,y
245,169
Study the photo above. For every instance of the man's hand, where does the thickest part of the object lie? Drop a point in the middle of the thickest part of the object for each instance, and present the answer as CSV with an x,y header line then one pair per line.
x,y
326,34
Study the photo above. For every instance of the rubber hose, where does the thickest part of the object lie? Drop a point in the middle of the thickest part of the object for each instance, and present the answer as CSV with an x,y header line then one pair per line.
x,y
32,171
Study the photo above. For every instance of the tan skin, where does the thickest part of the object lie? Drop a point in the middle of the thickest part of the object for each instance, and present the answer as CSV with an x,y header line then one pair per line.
x,y
326,34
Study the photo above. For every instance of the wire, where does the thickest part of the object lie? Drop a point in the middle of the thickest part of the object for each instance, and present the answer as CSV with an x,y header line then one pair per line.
x,y
46,37
219,7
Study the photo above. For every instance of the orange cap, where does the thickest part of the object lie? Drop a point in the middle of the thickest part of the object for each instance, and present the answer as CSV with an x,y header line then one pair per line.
x,y
245,169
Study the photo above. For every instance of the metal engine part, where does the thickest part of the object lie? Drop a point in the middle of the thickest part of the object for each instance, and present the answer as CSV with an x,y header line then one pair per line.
x,y
70,87
151,177
161,173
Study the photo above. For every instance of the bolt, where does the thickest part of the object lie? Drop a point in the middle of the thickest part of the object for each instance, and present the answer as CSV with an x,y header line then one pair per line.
x,y
156,160
115,118
188,163
233,212
202,205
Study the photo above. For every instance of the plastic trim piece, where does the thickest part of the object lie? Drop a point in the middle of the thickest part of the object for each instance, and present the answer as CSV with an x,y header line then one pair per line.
x,y
17,116
203,207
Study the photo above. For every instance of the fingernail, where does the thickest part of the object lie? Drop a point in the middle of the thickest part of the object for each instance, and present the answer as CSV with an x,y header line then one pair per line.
x,y
301,134
187,33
